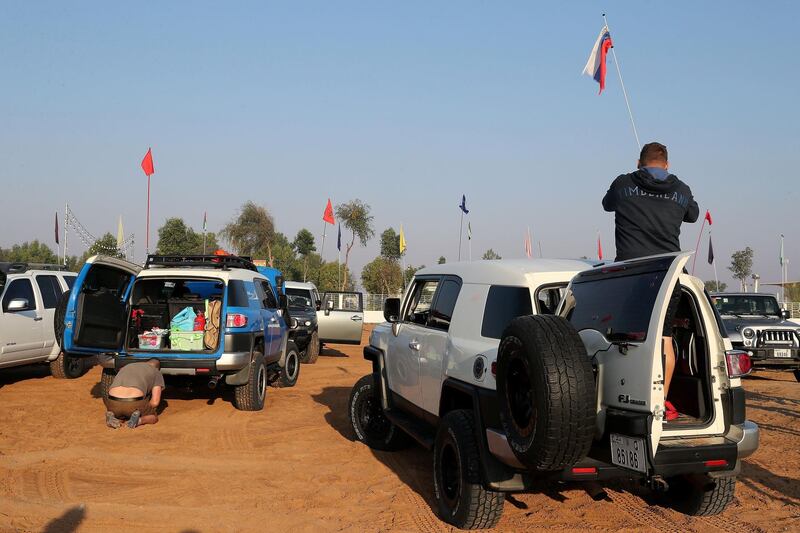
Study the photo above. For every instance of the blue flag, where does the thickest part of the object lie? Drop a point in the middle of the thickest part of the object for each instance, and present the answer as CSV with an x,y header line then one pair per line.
x,y
463,205
339,240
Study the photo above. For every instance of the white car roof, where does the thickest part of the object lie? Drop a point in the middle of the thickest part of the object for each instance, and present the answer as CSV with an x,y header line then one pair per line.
x,y
299,285
511,271
200,272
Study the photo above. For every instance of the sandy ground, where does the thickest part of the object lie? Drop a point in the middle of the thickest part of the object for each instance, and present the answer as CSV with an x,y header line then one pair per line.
x,y
294,466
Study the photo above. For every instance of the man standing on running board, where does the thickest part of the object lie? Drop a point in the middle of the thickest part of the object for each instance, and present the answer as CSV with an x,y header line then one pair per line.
x,y
135,394
649,206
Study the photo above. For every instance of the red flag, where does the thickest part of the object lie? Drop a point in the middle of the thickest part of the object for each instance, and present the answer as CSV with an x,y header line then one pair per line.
x,y
147,163
599,248
708,217
57,227
328,215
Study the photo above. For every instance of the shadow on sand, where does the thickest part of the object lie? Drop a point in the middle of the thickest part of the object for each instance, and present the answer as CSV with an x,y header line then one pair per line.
x,y
67,522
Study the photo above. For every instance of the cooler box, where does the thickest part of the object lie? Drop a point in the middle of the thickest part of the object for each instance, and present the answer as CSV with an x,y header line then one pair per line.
x,y
151,341
187,341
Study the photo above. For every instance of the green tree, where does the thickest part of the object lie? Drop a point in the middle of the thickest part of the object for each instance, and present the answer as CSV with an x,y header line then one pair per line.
x,y
29,252
390,244
304,244
105,245
742,265
333,276
382,276
251,232
176,238
491,254
283,257
354,215
714,286
409,272
442,260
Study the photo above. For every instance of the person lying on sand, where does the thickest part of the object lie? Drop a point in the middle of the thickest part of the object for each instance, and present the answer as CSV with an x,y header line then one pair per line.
x,y
135,394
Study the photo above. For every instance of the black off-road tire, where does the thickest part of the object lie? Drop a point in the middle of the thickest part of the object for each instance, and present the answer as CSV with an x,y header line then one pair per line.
x,y
697,500
291,367
106,377
251,395
797,374
368,421
461,499
66,366
311,353
546,392
58,318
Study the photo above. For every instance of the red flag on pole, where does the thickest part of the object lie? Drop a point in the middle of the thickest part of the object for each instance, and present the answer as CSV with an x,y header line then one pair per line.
x,y
147,163
57,228
599,248
328,215
708,217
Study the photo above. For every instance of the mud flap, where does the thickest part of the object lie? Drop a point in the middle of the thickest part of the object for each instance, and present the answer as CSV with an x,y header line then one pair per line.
x,y
239,378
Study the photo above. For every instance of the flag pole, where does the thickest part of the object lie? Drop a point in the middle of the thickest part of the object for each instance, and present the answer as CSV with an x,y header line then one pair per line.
x,y
66,215
470,246
147,235
622,84
460,232
322,248
540,249
697,246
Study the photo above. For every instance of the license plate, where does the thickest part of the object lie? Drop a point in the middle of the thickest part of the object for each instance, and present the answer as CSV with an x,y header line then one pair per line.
x,y
628,452
783,352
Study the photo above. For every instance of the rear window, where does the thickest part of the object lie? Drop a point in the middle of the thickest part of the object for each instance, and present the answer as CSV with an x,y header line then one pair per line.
x,y
237,294
442,311
503,304
70,281
50,289
619,307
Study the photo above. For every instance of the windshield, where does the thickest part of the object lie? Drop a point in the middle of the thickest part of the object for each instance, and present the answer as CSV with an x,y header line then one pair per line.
x,y
298,302
620,308
748,304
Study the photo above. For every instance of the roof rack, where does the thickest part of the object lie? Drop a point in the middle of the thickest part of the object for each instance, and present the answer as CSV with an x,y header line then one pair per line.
x,y
19,267
224,262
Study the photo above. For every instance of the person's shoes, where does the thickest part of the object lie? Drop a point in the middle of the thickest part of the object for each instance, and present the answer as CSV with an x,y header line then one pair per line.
x,y
671,413
111,420
133,421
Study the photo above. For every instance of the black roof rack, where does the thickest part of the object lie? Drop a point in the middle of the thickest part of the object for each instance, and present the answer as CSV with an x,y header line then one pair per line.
x,y
224,262
18,268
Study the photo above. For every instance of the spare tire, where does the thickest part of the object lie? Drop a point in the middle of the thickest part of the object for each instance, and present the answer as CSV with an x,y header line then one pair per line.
x,y
58,318
546,392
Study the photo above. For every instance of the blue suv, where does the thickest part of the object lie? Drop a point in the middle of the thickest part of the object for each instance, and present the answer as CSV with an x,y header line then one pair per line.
x,y
123,313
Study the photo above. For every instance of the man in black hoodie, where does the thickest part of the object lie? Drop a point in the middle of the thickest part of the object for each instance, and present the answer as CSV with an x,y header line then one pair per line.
x,y
649,206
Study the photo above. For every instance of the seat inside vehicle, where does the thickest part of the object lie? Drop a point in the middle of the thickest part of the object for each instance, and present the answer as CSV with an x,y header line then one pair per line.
x,y
690,389
155,302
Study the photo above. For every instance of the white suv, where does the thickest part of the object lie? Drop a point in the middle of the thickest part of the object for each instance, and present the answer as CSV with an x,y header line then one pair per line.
x,y
30,294
518,371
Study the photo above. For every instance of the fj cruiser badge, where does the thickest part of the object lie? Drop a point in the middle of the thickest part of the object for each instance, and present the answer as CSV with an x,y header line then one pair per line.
x,y
624,398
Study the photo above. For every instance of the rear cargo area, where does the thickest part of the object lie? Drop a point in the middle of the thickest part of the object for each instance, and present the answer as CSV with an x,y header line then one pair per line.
x,y
175,315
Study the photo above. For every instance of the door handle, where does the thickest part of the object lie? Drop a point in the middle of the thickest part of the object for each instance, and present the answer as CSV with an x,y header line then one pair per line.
x,y
414,345
356,318
37,319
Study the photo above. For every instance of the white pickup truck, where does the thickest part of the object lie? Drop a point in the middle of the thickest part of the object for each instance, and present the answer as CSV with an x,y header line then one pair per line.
x,y
513,372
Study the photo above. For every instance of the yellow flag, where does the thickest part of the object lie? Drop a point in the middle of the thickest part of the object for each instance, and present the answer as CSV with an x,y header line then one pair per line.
x,y
402,240
120,233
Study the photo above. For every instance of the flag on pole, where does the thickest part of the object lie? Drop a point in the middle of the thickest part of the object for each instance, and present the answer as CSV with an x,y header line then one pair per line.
x,y
205,220
328,215
402,240
147,163
596,65
599,247
781,259
463,205
469,231
708,217
120,234
710,251
56,233
339,240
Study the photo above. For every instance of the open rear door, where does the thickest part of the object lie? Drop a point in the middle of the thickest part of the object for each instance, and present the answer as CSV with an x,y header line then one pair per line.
x,y
97,311
626,303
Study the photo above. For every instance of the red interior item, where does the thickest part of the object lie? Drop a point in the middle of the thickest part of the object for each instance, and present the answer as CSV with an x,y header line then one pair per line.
x,y
200,322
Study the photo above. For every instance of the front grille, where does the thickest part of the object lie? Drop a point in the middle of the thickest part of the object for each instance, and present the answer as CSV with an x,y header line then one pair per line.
x,y
777,337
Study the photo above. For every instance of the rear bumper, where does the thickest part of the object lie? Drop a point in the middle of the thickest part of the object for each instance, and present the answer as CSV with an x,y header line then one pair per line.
x,y
228,362
746,438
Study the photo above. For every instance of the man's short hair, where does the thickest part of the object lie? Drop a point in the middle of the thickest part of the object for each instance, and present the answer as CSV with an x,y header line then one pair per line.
x,y
154,362
653,153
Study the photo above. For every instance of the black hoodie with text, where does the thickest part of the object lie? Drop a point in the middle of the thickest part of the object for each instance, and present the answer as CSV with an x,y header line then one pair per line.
x,y
648,213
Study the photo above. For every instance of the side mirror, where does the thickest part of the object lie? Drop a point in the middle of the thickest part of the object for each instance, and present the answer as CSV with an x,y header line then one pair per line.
x,y
391,309
786,314
18,304
318,304
282,301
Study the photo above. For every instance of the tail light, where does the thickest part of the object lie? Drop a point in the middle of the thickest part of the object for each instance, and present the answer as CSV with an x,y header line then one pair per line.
x,y
236,320
738,362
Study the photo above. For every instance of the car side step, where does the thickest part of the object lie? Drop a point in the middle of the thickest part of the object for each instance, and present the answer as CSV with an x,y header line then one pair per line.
x,y
420,431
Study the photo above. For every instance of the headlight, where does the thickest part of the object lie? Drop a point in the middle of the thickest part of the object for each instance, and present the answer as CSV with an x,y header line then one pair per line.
x,y
748,333
308,323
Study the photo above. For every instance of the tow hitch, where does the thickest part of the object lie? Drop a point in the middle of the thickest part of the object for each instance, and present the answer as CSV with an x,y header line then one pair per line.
x,y
659,484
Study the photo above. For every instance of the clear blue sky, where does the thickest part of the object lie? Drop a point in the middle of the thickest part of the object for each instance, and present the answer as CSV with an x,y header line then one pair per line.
x,y
405,105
